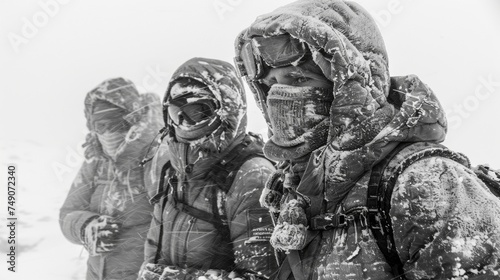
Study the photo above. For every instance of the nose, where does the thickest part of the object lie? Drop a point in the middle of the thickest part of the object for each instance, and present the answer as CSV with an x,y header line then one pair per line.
x,y
274,76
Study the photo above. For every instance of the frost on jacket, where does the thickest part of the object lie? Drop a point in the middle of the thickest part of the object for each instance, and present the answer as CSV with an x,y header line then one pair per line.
x,y
446,223
190,242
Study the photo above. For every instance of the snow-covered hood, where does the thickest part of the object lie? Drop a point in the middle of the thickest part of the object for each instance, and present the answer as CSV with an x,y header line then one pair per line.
x,y
220,78
349,49
371,112
143,114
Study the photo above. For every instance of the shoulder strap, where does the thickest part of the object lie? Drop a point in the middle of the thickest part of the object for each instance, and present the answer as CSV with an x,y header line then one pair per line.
x,y
161,196
489,177
224,172
379,225
380,189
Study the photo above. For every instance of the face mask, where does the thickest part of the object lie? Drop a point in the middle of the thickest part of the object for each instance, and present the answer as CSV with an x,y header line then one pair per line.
x,y
110,141
294,111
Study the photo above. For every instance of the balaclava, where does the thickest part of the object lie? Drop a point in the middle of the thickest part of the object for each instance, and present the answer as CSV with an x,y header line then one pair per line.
x,y
140,113
297,115
112,135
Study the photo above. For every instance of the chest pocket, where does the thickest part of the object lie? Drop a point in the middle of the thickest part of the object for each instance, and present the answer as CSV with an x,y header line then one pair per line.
x,y
116,192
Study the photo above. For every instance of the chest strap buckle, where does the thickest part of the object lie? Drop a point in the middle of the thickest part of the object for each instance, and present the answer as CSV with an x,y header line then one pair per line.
x,y
329,221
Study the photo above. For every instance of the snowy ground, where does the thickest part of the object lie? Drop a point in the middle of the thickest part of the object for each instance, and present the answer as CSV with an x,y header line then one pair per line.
x,y
42,250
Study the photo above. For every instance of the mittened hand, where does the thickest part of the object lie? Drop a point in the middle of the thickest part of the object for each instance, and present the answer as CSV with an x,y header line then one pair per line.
x,y
290,233
101,235
151,271
177,273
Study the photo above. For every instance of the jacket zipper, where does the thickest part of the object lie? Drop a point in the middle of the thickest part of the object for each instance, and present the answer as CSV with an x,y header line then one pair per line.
x,y
191,222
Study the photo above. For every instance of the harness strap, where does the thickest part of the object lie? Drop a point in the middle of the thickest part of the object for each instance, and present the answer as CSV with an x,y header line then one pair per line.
x,y
161,195
296,265
378,220
328,221
222,174
200,214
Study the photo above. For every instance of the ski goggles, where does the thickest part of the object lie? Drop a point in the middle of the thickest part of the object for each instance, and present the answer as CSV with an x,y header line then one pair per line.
x,y
260,53
101,126
180,111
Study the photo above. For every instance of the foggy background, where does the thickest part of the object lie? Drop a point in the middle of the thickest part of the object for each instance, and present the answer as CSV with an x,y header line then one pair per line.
x,y
54,51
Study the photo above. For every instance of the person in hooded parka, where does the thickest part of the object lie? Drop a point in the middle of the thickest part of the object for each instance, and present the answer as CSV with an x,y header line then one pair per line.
x,y
207,220
319,70
107,208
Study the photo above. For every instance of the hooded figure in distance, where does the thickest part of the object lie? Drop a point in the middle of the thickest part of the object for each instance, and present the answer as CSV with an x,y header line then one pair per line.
x,y
107,208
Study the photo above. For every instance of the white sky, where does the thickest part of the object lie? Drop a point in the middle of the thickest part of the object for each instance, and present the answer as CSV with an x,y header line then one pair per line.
x,y
453,46
449,44
54,51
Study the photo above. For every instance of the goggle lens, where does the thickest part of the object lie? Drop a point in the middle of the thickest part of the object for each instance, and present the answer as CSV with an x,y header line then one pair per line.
x,y
191,113
276,51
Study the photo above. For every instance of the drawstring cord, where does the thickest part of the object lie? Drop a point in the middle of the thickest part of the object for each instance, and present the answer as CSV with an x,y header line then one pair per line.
x,y
147,159
129,188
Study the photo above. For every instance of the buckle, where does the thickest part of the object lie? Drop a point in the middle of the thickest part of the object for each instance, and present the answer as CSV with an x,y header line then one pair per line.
x,y
329,221
374,219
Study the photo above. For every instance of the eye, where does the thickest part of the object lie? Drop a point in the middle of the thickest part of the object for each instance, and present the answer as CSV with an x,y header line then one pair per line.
x,y
302,79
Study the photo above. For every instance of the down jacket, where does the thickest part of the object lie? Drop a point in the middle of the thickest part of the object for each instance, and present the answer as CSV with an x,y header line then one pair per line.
x,y
178,238
446,223
115,188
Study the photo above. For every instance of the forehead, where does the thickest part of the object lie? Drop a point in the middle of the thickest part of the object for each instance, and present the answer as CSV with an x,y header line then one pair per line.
x,y
106,122
284,70
308,66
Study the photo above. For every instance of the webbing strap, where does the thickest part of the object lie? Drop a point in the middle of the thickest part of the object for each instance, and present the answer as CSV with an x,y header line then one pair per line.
x,y
296,265
378,221
161,195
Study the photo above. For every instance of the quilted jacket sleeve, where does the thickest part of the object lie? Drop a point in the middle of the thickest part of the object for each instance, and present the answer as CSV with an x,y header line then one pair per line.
x,y
75,211
250,224
446,222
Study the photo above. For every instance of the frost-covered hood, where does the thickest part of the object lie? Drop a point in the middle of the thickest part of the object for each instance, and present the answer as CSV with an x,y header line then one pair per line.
x,y
221,79
349,49
143,114
371,112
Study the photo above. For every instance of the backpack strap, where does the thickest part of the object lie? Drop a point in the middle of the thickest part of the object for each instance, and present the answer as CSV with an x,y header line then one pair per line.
x,y
378,223
489,177
222,174
380,187
224,171
161,196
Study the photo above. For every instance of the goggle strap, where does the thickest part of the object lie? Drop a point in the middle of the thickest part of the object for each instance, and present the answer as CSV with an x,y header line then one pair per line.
x,y
240,67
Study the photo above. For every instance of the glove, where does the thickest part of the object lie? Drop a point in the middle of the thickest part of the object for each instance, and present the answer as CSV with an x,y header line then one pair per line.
x,y
290,233
100,234
153,271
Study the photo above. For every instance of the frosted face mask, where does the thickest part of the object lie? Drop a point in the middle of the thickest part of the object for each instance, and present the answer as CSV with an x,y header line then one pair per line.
x,y
111,141
294,111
